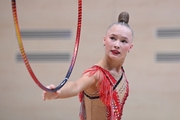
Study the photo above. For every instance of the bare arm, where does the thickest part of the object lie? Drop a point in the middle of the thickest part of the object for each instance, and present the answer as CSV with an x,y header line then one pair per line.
x,y
71,89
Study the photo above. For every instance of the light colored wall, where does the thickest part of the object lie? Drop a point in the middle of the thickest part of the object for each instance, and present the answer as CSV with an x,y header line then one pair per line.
x,y
154,87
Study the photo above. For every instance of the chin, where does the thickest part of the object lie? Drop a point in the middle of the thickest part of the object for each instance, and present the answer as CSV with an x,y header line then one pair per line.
x,y
115,58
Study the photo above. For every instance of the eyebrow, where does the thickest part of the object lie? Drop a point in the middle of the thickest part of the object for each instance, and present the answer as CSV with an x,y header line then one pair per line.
x,y
117,35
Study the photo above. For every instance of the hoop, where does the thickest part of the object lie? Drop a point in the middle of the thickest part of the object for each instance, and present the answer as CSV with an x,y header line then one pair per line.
x,y
25,59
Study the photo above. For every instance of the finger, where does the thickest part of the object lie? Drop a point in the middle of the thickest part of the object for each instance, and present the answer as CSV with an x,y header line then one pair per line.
x,y
43,95
51,86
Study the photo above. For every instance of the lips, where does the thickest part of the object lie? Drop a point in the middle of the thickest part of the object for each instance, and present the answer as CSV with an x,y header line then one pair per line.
x,y
115,51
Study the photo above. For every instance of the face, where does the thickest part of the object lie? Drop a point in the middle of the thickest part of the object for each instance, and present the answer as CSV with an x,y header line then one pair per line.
x,y
118,42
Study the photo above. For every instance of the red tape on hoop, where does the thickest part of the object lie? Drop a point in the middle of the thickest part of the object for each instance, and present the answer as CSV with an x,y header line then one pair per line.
x,y
23,53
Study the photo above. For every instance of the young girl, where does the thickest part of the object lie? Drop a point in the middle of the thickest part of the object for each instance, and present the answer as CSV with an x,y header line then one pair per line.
x,y
103,88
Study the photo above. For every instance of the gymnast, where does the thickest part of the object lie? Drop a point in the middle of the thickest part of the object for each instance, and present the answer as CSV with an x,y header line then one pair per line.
x,y
103,88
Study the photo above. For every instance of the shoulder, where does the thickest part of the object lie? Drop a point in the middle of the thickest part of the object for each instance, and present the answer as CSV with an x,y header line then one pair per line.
x,y
93,75
94,72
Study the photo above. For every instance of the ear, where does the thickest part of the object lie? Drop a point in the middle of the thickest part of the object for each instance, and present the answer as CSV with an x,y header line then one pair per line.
x,y
104,40
130,47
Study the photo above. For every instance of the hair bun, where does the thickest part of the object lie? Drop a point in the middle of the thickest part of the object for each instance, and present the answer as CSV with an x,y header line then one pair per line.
x,y
123,17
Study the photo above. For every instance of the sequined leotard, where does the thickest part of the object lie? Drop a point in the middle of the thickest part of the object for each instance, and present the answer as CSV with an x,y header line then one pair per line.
x,y
108,102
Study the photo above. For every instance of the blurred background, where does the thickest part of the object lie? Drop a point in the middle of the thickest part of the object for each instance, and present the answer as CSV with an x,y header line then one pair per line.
x,y
48,29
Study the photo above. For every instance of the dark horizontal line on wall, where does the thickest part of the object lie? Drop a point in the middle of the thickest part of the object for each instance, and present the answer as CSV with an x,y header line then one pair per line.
x,y
44,57
168,33
168,57
46,34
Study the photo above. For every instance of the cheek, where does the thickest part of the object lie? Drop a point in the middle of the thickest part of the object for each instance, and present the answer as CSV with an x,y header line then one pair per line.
x,y
108,44
107,47
126,48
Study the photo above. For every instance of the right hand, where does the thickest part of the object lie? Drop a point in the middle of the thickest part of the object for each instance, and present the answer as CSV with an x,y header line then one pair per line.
x,y
50,95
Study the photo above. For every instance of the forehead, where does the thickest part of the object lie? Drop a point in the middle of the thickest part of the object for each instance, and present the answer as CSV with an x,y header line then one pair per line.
x,y
120,30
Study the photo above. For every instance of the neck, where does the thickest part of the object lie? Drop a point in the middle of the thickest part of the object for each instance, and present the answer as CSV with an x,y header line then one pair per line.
x,y
110,64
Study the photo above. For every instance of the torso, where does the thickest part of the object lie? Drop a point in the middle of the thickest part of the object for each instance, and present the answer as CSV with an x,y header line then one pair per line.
x,y
96,108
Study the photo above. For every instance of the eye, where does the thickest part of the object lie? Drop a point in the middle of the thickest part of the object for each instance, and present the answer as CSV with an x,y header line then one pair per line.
x,y
112,38
124,41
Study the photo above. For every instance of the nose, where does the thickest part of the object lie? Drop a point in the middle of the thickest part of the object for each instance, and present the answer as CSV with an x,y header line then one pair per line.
x,y
117,44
